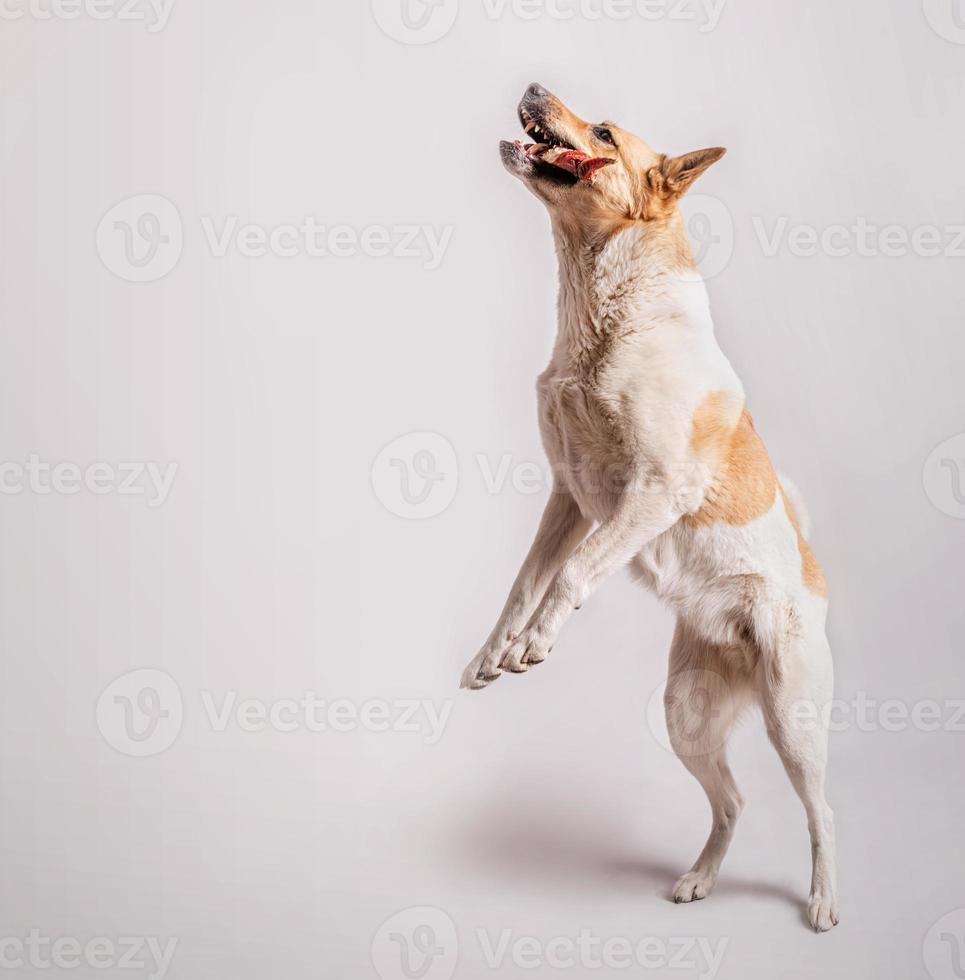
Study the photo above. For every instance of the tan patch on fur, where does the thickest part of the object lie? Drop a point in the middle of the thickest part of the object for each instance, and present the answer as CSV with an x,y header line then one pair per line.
x,y
745,484
680,255
714,422
811,570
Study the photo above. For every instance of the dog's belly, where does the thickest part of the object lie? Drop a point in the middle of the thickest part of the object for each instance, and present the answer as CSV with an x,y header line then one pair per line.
x,y
715,577
715,599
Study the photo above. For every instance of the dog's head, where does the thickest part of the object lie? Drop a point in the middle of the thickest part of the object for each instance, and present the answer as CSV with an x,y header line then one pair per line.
x,y
596,174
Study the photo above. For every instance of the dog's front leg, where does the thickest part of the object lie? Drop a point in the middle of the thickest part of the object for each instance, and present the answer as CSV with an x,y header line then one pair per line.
x,y
561,529
640,516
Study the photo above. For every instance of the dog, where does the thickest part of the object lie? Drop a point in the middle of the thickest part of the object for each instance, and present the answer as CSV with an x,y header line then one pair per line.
x,y
657,465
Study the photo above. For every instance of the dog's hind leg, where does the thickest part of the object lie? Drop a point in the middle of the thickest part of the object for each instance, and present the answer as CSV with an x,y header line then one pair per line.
x,y
796,685
703,697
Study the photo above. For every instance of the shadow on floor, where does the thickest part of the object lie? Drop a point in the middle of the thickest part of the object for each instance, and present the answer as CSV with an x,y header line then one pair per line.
x,y
527,838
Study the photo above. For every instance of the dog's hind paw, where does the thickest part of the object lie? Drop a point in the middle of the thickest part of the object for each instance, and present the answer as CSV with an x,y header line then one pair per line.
x,y
694,886
823,911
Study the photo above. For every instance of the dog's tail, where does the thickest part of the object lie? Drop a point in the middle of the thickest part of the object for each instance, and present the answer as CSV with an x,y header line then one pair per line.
x,y
799,509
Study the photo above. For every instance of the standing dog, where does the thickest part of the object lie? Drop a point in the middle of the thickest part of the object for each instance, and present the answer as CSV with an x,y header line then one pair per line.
x,y
657,465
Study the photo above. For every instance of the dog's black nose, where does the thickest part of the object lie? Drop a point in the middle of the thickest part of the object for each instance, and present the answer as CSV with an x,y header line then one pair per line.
x,y
536,91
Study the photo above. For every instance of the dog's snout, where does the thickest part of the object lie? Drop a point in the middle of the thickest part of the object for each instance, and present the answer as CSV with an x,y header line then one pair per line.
x,y
536,91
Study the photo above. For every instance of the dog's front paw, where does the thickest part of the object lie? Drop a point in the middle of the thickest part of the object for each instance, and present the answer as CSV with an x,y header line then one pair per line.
x,y
482,670
823,911
516,655
694,886
530,648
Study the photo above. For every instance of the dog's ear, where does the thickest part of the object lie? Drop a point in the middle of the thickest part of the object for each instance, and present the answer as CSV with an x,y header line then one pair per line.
x,y
674,176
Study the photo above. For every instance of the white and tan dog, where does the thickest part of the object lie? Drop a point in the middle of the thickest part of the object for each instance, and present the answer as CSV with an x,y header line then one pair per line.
x,y
657,465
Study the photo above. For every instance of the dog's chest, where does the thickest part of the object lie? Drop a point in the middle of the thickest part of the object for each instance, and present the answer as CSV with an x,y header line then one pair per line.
x,y
582,433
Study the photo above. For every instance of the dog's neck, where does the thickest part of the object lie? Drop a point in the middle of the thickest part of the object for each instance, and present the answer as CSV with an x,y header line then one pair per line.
x,y
623,281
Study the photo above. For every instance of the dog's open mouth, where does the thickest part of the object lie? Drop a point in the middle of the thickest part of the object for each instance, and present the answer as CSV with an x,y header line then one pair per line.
x,y
553,158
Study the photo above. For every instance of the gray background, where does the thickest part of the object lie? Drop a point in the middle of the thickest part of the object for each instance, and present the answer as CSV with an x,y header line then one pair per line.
x,y
275,567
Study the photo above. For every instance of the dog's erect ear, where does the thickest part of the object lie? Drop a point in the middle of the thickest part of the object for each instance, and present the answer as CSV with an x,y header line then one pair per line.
x,y
675,175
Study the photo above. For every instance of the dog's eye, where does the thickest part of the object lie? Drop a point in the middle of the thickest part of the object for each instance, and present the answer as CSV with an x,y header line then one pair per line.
x,y
602,133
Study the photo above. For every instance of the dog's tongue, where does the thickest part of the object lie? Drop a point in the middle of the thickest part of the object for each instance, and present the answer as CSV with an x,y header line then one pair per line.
x,y
575,162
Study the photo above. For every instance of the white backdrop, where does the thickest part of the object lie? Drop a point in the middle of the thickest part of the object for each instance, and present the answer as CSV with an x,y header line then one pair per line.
x,y
269,435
